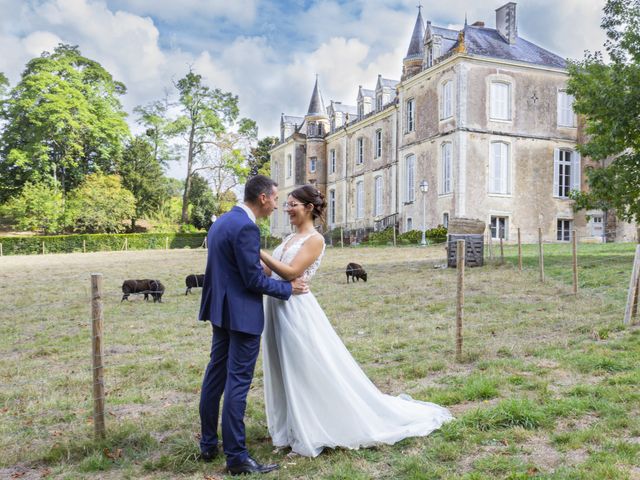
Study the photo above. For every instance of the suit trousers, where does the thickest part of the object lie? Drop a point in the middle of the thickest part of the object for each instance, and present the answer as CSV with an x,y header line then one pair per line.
x,y
230,371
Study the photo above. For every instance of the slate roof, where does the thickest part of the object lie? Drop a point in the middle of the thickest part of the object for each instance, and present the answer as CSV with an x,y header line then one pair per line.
x,y
488,42
388,83
316,105
340,107
292,119
366,92
444,32
416,46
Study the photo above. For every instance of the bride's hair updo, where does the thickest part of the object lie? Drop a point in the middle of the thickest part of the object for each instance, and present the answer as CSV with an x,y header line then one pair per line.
x,y
310,195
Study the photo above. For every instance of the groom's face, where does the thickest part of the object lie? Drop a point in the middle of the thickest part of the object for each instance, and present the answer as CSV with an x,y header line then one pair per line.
x,y
269,202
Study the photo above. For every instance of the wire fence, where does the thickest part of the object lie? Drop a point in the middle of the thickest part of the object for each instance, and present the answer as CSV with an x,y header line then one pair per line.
x,y
406,322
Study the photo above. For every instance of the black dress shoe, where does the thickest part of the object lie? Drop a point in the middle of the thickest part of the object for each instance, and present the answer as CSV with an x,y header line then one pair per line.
x,y
251,466
210,455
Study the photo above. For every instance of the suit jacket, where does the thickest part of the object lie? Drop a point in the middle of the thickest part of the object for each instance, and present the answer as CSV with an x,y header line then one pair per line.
x,y
234,280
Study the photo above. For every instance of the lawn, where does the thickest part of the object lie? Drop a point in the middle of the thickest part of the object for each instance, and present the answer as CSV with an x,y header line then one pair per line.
x,y
547,386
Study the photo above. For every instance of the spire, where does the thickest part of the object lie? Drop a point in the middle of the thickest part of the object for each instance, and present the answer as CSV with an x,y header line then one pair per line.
x,y
416,46
316,105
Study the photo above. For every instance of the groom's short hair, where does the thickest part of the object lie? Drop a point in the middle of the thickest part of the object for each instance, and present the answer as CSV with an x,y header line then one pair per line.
x,y
258,185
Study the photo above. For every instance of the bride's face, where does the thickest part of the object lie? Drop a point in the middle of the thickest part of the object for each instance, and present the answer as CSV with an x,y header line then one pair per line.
x,y
298,211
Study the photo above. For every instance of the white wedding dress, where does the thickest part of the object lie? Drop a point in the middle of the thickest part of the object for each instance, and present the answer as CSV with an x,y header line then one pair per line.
x,y
316,395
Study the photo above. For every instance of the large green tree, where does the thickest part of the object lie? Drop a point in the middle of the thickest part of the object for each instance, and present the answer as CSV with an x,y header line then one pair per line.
x,y
39,208
4,83
203,205
63,121
153,117
213,136
260,159
143,176
607,93
100,205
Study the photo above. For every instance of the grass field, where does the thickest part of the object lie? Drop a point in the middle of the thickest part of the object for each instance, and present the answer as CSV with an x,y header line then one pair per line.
x,y
548,385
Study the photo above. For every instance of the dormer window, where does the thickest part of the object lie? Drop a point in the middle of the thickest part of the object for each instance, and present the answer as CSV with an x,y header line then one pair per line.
x,y
379,102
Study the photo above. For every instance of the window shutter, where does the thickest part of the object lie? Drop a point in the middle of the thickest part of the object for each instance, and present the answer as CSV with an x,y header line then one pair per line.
x,y
556,172
575,171
560,108
506,164
448,98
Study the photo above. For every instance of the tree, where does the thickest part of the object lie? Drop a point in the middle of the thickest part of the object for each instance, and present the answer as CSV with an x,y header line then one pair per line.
x,y
203,205
4,83
39,208
154,118
100,205
142,175
63,121
213,136
608,95
260,159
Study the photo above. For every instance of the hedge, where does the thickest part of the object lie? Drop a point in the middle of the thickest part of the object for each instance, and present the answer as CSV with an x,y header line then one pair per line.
x,y
99,242
412,237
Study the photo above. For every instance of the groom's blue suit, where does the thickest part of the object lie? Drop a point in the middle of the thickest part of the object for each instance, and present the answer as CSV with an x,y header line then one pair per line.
x,y
234,283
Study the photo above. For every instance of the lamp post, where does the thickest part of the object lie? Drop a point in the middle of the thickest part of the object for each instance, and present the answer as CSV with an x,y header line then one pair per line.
x,y
424,187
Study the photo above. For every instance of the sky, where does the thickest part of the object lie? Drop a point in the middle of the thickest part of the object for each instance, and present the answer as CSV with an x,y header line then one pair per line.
x,y
266,52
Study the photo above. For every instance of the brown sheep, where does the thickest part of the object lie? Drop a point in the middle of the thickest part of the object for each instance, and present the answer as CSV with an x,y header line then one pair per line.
x,y
146,287
356,272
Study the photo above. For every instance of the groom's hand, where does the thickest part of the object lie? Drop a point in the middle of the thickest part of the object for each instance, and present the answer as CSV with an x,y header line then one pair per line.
x,y
299,286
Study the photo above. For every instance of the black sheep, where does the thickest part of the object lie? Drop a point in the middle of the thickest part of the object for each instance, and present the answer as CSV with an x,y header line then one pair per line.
x,y
193,281
146,287
356,272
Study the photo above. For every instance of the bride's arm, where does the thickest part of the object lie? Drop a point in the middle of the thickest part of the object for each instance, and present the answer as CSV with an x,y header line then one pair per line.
x,y
267,270
308,253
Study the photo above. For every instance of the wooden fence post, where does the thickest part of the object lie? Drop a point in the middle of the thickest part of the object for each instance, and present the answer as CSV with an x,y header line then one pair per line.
x,y
460,258
501,250
341,238
394,236
540,255
574,242
166,243
97,349
519,251
43,247
631,309
84,245
0,249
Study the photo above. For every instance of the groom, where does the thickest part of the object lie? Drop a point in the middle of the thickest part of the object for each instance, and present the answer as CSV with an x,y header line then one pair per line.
x,y
234,283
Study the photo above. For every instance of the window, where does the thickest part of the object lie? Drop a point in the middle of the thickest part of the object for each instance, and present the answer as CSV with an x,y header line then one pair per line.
x,y
332,207
446,100
566,172
360,110
499,168
377,206
410,187
378,143
445,220
360,152
564,230
566,116
499,228
446,168
410,121
312,164
500,101
379,102
409,224
360,199
289,166
332,160
276,171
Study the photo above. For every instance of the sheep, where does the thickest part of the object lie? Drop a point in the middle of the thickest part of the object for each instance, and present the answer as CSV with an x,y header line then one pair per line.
x,y
356,272
193,281
146,287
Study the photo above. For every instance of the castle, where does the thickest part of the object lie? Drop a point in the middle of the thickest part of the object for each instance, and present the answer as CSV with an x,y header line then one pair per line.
x,y
479,125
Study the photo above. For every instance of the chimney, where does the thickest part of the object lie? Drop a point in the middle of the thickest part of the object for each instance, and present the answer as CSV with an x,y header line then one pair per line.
x,y
506,22
478,24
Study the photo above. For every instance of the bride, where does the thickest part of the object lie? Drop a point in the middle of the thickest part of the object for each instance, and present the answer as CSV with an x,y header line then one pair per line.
x,y
316,395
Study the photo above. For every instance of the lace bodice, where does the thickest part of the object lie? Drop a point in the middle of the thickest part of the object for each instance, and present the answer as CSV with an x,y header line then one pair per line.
x,y
287,250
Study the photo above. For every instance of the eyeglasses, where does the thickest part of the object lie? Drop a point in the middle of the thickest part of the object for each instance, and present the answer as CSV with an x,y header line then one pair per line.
x,y
288,205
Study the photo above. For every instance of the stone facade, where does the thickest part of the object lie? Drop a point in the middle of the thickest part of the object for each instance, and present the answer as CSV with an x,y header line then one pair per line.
x,y
480,114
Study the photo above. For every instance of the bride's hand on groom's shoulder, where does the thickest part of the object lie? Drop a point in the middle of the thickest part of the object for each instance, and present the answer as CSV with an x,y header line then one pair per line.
x,y
299,286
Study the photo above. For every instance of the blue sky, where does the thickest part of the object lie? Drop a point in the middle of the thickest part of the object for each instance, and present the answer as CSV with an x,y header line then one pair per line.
x,y
267,52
